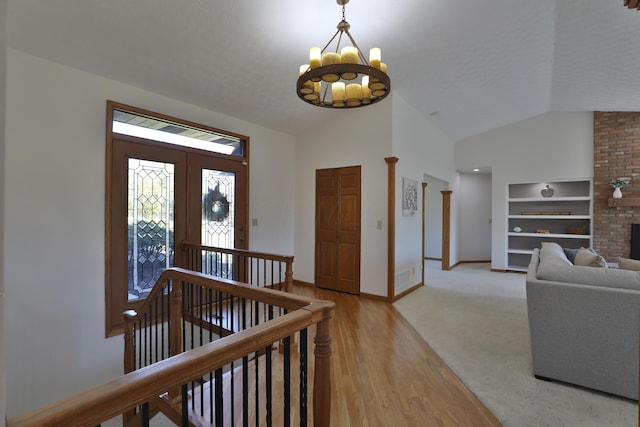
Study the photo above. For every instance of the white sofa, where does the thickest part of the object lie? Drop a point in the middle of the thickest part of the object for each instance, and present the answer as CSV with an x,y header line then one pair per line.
x,y
584,323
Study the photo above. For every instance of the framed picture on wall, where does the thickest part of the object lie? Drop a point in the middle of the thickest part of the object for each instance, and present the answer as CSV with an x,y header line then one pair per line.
x,y
409,196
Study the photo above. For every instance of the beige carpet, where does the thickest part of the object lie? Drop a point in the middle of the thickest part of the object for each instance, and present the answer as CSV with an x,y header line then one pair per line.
x,y
476,320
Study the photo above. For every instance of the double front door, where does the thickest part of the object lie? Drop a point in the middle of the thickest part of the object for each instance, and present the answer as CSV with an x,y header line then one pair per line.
x,y
167,196
337,247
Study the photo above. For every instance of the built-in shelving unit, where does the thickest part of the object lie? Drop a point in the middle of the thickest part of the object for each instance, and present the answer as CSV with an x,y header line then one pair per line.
x,y
564,216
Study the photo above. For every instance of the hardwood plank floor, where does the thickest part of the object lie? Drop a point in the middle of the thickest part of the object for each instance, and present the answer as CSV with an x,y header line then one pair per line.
x,y
385,374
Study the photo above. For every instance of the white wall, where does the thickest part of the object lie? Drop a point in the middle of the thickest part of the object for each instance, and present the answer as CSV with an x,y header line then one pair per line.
x,y
54,221
552,146
3,73
421,148
350,138
474,239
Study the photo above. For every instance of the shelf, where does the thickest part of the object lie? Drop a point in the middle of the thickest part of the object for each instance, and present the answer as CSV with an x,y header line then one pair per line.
x,y
520,251
624,201
569,209
550,199
551,235
549,217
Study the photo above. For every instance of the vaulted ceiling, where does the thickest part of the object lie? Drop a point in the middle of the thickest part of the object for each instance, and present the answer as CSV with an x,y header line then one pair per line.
x,y
467,66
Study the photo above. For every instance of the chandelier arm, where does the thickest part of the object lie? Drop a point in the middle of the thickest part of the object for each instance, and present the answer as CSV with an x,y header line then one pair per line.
x,y
329,42
324,95
339,40
360,54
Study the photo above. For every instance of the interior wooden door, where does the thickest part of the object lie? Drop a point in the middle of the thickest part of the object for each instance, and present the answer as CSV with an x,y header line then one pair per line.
x,y
337,249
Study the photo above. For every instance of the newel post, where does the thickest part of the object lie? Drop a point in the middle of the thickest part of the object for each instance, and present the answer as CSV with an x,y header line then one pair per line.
x,y
322,374
288,275
129,351
175,328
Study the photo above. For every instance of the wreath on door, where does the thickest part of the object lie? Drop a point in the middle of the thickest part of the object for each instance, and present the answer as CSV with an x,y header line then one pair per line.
x,y
215,206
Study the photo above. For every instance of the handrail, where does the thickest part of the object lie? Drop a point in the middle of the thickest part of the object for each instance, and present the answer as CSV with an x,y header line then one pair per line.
x,y
233,251
103,402
245,265
285,300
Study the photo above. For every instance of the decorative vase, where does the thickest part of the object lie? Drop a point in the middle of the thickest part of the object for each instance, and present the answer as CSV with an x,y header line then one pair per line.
x,y
547,191
617,193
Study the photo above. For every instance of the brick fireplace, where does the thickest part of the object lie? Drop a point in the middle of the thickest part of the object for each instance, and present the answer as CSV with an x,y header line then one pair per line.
x,y
616,148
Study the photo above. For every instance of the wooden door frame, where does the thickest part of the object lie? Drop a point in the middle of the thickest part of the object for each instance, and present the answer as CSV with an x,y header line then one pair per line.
x,y
424,227
446,229
112,322
391,232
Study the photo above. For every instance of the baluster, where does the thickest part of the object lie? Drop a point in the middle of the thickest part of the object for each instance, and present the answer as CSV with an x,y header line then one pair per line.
x,y
245,390
269,385
287,381
145,317
185,406
303,378
231,322
155,328
140,348
190,311
219,398
256,387
257,272
162,331
145,414
150,336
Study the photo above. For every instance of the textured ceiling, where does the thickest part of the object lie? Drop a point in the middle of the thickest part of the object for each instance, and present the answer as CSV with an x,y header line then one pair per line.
x,y
468,66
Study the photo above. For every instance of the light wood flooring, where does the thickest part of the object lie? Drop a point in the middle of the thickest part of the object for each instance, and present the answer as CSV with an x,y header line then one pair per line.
x,y
385,375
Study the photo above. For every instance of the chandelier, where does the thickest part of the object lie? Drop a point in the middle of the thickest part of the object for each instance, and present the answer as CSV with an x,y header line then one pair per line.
x,y
330,78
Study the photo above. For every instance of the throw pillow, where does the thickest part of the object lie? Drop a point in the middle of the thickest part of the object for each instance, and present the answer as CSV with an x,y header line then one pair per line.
x,y
571,254
551,253
629,264
588,258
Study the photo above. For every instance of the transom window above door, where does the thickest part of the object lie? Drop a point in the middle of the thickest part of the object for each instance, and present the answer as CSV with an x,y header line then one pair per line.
x,y
156,129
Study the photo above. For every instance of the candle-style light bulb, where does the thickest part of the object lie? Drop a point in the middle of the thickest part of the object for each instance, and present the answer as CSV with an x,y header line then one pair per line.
x,y
375,57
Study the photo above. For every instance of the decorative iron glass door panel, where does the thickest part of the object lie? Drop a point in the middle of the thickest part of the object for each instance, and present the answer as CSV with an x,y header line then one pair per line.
x,y
148,216
150,224
218,208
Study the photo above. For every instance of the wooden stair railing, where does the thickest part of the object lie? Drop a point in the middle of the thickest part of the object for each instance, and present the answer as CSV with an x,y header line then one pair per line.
x,y
164,384
251,267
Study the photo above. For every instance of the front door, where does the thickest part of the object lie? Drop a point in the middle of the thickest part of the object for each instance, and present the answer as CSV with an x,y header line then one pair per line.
x,y
218,191
337,248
